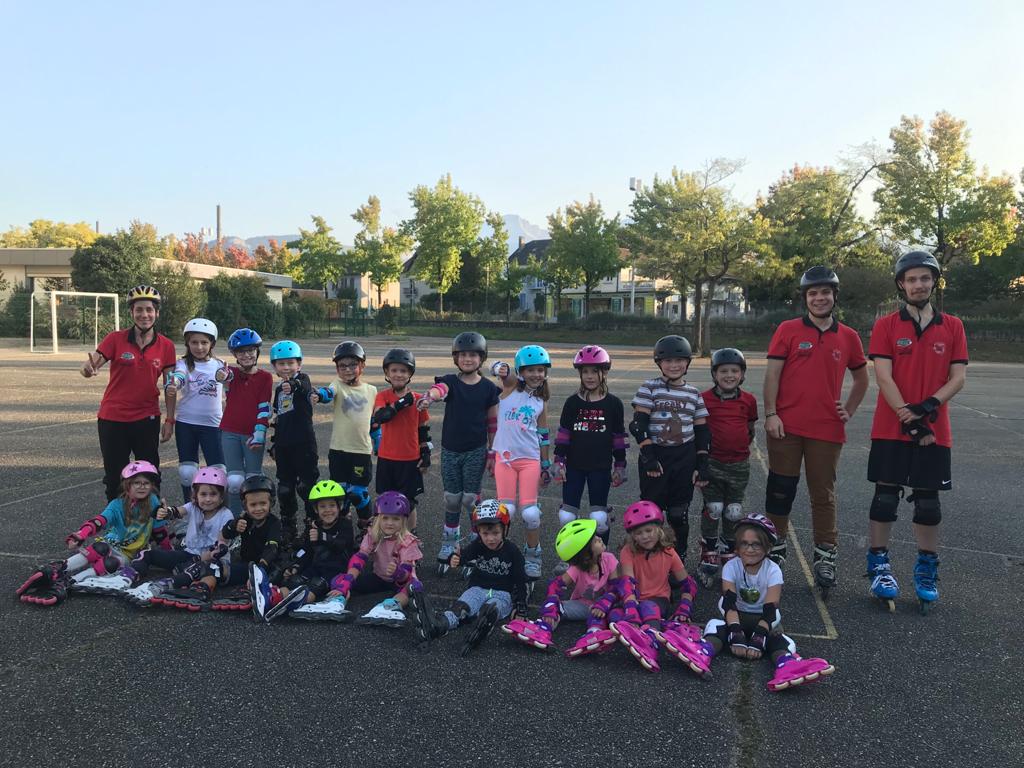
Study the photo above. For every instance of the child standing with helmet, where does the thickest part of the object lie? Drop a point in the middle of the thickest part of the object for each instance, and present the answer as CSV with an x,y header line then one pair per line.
x,y
243,428
351,454
470,420
404,452
294,443
670,426
590,437
751,623
732,414
519,459
497,582
195,419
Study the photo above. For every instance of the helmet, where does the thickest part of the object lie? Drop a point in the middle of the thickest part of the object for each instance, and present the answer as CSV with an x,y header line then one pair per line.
x,y
143,293
211,476
349,349
914,259
642,513
728,356
762,522
244,337
820,275
258,483
285,350
393,503
470,341
200,325
403,356
490,511
326,489
574,537
139,468
593,355
672,346
531,354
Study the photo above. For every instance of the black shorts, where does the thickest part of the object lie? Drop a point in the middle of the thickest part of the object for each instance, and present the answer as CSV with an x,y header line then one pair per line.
x,y
402,476
350,468
900,462
674,488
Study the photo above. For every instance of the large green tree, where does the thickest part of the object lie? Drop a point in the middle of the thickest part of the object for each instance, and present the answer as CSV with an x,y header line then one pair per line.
x,y
114,263
933,193
43,233
445,224
584,242
378,250
321,257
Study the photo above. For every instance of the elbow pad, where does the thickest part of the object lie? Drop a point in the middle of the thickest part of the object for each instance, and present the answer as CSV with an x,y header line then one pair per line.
x,y
768,612
638,427
702,438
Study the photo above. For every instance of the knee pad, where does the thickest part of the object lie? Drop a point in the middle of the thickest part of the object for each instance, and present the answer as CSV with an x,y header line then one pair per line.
x,y
235,480
511,509
600,516
469,501
779,493
677,516
187,471
649,611
318,587
567,514
734,512
927,510
452,503
359,497
96,551
531,517
885,503
285,492
713,510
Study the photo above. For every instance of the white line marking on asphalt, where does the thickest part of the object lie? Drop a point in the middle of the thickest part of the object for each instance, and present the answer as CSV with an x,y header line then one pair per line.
x,y
163,465
44,426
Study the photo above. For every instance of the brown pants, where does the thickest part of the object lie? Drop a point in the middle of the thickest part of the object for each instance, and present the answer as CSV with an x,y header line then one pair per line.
x,y
820,459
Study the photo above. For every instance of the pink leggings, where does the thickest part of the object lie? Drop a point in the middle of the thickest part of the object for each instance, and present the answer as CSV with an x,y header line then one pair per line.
x,y
525,472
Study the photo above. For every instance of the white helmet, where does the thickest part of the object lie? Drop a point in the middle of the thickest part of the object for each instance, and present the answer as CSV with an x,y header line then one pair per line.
x,y
200,325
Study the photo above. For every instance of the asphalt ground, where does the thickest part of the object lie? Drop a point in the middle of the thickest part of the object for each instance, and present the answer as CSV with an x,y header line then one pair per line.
x,y
96,681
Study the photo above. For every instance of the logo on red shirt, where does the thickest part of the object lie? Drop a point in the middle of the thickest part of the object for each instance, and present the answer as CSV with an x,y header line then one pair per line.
x,y
127,356
939,347
804,345
837,355
903,342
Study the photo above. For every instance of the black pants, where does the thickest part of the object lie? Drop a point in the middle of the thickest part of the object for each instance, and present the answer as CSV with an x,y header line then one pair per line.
x,y
673,489
119,440
297,473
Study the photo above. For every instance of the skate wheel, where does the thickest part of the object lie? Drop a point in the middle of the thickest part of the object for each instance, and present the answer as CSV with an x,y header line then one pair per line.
x,y
891,605
925,607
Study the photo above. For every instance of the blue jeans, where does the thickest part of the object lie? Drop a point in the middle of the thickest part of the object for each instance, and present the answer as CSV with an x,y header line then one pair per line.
x,y
477,597
239,460
189,439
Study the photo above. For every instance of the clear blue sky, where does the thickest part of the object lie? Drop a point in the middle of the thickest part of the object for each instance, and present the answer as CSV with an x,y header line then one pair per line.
x,y
158,111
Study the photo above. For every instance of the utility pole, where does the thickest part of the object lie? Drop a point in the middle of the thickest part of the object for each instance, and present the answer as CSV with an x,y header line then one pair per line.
x,y
635,186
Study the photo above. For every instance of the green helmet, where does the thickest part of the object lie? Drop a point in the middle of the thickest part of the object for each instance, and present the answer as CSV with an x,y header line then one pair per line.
x,y
326,489
573,537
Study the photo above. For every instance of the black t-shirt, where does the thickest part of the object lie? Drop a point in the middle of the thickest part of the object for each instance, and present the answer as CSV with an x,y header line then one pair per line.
x,y
329,555
294,413
502,569
591,433
465,412
259,542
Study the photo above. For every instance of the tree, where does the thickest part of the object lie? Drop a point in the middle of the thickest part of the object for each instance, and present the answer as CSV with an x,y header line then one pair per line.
x,y
688,229
508,284
112,263
183,298
378,252
933,194
239,257
320,257
446,223
43,233
240,302
585,243
194,250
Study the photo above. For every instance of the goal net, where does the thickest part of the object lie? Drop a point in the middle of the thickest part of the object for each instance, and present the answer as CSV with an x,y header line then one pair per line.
x,y
72,318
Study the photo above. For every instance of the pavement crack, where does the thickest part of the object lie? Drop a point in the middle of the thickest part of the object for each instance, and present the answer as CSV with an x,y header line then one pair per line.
x,y
750,733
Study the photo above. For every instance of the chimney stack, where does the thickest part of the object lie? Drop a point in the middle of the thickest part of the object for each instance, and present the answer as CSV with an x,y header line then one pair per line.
x,y
218,223
522,241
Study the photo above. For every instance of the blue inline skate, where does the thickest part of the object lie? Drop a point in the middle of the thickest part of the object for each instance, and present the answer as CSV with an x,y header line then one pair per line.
x,y
926,573
883,583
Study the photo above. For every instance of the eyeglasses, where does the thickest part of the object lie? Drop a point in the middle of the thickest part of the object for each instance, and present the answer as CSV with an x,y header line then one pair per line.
x,y
140,483
752,545
347,366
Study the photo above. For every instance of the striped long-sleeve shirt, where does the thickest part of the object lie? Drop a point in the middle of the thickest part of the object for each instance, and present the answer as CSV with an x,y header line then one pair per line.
x,y
673,410
591,433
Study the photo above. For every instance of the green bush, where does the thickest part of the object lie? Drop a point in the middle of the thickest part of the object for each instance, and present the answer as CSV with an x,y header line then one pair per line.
x,y
183,299
14,315
304,315
242,302
387,318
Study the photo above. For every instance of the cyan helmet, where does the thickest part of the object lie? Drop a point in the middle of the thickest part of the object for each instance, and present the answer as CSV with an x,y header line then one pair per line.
x,y
285,350
532,354
244,337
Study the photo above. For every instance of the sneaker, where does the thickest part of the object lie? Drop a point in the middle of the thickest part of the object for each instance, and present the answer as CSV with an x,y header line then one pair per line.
x,y
295,599
387,613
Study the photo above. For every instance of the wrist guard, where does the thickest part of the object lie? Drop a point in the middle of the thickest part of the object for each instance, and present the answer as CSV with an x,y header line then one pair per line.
x,y
544,436
425,455
703,466
926,407
89,528
404,401
384,414
442,391
638,427
649,458
768,612
736,635
702,438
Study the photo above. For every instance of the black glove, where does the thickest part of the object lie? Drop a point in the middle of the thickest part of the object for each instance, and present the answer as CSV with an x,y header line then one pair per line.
x,y
384,414
758,638
918,429
404,401
925,409
736,636
703,467
649,459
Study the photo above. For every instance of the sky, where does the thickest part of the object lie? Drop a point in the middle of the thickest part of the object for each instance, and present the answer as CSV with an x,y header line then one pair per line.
x,y
159,111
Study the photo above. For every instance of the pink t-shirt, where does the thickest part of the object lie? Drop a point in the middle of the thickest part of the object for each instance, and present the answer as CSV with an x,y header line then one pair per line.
x,y
588,586
392,551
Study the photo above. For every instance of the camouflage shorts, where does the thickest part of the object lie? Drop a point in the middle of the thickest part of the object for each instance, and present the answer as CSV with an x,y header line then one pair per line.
x,y
728,482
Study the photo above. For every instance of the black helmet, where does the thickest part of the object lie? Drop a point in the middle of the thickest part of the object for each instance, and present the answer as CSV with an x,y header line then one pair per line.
x,y
914,259
728,356
258,483
470,341
672,346
399,355
349,349
819,275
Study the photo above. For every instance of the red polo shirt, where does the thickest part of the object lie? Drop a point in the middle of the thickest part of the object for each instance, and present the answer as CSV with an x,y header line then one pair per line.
x,y
812,378
920,367
132,393
729,421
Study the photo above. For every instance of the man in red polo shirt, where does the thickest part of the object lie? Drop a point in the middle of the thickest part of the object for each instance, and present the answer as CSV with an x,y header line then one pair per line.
x,y
920,358
129,415
805,417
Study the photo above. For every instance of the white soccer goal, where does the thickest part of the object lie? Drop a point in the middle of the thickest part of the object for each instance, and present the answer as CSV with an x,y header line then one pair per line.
x,y
73,308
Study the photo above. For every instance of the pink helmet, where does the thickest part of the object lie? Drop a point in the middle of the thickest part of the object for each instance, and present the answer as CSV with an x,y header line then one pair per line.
x,y
642,513
760,521
211,476
593,355
139,468
393,503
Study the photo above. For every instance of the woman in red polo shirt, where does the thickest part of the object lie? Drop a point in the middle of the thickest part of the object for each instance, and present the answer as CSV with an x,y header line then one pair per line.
x,y
129,417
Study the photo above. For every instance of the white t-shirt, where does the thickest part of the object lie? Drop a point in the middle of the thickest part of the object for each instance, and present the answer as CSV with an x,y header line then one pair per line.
x,y
200,400
517,437
201,533
751,588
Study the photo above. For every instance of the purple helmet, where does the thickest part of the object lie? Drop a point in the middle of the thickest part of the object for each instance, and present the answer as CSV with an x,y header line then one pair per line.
x,y
392,503
762,522
593,355
642,513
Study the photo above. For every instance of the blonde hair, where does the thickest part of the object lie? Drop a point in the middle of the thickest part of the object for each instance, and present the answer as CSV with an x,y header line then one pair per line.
x,y
666,539
377,535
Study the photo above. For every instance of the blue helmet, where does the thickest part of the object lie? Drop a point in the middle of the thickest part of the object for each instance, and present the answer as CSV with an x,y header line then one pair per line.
x,y
285,350
532,355
244,337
